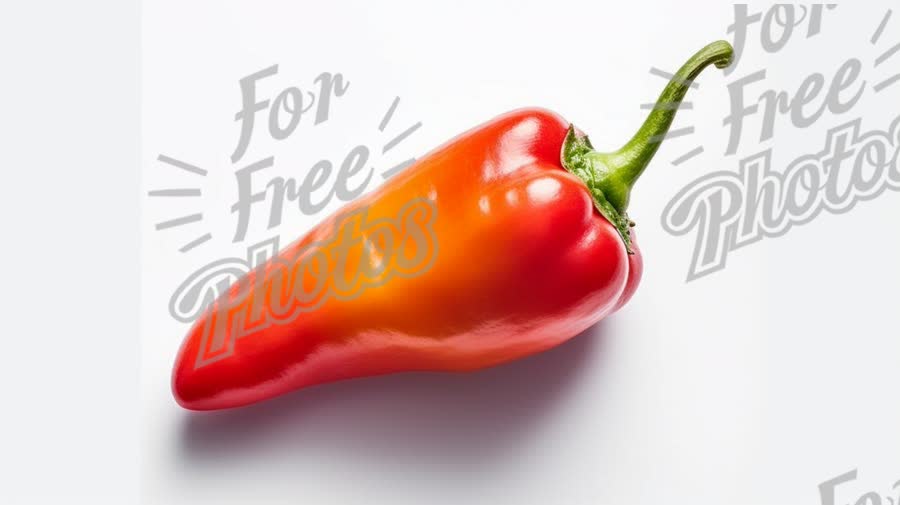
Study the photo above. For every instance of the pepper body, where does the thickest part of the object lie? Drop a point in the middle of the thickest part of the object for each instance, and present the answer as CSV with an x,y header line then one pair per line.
x,y
523,262
530,245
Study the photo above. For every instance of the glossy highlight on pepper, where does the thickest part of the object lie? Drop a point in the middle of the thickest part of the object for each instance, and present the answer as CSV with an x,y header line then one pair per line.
x,y
535,246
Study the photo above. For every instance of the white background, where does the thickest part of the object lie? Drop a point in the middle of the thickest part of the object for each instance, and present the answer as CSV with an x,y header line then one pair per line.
x,y
750,386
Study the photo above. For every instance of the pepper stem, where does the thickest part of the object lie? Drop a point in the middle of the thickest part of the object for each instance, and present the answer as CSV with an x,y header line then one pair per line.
x,y
610,176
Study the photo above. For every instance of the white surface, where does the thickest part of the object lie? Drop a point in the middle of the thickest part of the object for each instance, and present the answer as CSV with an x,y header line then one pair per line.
x,y
752,385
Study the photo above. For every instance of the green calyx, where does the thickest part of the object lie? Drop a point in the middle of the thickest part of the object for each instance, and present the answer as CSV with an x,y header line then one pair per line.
x,y
610,176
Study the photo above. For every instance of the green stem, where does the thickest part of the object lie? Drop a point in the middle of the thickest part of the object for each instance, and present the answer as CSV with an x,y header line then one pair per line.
x,y
610,176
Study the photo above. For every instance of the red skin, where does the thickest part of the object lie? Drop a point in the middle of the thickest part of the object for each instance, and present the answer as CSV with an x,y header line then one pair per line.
x,y
524,263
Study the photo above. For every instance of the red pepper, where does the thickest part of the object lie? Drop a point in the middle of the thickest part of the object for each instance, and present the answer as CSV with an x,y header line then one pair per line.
x,y
524,243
